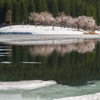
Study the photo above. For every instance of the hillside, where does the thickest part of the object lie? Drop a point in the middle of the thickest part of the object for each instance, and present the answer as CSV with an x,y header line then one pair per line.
x,y
22,8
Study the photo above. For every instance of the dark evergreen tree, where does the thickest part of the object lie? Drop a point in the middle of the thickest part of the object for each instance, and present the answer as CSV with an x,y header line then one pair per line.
x,y
24,12
2,11
62,4
42,5
16,13
72,9
8,5
31,7
98,13
55,9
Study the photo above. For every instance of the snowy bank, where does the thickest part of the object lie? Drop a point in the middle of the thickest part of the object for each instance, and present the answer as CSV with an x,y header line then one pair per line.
x,y
42,35
84,97
44,39
31,29
25,85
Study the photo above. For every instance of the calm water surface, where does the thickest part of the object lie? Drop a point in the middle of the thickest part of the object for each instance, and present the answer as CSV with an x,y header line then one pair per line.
x,y
75,67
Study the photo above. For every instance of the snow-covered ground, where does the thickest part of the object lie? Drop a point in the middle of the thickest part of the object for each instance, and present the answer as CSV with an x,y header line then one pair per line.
x,y
42,35
27,90
26,85
31,29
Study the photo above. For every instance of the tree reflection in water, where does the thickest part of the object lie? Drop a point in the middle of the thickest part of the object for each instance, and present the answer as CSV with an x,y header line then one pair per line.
x,y
80,63
86,46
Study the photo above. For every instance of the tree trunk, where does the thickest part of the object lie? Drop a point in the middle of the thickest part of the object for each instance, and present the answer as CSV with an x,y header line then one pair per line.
x,y
53,28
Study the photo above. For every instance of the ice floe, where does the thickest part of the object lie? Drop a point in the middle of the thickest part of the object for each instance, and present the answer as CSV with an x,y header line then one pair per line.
x,y
25,85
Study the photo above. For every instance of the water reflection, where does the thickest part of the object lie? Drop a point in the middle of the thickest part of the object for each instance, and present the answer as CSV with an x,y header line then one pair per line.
x,y
86,46
80,63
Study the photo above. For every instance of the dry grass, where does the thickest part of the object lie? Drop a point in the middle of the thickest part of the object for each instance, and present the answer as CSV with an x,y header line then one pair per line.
x,y
90,33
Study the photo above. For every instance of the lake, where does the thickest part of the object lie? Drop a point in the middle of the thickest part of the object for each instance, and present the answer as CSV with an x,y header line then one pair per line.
x,y
74,66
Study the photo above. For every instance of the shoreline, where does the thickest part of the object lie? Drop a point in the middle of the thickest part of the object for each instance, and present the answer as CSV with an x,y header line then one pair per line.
x,y
32,35
45,39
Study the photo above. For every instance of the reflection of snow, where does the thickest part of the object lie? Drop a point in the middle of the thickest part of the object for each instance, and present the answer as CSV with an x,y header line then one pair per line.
x,y
5,53
25,85
6,62
87,46
31,62
5,49
2,55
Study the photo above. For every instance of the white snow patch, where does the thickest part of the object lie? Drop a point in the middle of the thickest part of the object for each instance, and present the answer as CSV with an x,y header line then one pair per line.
x,y
38,30
25,85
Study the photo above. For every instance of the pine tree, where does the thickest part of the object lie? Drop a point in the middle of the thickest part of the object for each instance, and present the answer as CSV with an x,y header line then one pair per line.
x,y
24,12
8,5
2,11
93,13
98,13
16,13
55,9
68,7
31,7
72,10
62,5
42,5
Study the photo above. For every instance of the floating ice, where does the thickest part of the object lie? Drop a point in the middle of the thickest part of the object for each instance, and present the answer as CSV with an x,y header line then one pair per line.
x,y
25,85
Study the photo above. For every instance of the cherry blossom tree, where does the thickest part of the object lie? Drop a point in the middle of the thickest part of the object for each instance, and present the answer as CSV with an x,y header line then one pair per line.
x,y
36,17
76,23
84,22
69,21
48,18
43,18
91,24
58,21
98,28
63,20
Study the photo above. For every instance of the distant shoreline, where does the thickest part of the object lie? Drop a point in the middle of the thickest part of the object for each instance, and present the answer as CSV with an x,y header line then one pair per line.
x,y
44,39
32,35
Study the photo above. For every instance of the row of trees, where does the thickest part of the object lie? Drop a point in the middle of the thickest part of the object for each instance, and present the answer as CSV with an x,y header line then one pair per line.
x,y
46,18
22,8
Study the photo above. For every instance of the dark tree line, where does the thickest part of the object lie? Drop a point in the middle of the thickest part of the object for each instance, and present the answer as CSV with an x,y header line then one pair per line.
x,y
22,8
